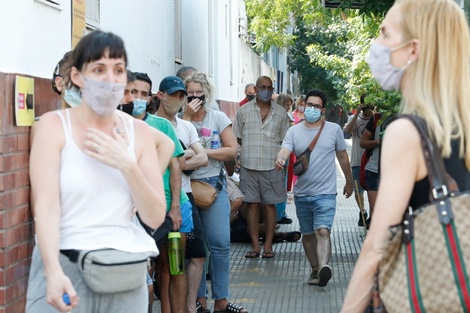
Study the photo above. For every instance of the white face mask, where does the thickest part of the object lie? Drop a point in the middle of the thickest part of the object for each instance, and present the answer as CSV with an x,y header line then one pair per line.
x,y
102,96
388,76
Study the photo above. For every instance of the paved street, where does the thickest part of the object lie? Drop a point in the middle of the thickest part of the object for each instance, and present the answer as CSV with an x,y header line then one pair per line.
x,y
278,285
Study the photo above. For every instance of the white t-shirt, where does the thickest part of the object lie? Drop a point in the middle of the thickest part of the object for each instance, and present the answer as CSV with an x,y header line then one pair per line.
x,y
187,133
213,120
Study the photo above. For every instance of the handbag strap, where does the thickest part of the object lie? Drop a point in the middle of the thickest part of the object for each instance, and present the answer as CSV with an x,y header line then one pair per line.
x,y
220,180
314,141
442,185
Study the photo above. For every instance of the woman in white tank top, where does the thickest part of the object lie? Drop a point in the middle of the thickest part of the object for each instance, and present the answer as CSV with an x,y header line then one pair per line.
x,y
89,167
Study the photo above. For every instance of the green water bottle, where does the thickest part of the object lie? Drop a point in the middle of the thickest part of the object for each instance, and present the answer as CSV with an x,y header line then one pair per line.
x,y
175,253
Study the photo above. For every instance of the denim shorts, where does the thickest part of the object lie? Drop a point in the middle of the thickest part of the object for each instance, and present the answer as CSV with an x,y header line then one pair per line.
x,y
372,181
315,212
356,171
187,217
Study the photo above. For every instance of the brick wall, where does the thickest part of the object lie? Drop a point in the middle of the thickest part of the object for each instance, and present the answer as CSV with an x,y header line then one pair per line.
x,y
16,226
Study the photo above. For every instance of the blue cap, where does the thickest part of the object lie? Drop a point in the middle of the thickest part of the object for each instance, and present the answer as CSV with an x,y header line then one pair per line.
x,y
172,84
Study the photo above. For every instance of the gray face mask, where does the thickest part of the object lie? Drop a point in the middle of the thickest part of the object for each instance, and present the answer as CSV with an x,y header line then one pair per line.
x,y
102,96
388,76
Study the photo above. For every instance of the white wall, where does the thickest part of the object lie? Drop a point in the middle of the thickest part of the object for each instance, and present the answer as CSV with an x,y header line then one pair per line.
x,y
33,37
147,29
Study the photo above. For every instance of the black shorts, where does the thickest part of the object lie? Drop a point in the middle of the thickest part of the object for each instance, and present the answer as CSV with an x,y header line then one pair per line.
x,y
239,231
195,243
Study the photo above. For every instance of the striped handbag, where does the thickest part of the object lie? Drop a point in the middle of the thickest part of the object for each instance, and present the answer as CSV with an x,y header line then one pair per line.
x,y
424,267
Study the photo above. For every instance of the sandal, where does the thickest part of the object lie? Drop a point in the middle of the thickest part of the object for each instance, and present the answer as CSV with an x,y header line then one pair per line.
x,y
268,255
293,236
200,308
252,254
232,308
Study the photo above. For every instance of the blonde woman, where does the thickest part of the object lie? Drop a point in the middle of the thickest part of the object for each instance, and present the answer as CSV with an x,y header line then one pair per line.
x,y
416,53
216,219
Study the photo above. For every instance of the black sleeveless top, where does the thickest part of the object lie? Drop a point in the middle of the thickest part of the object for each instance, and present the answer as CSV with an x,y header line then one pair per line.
x,y
454,166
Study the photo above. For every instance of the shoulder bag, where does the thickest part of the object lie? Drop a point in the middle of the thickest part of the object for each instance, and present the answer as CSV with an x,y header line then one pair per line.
x,y
424,267
301,163
204,194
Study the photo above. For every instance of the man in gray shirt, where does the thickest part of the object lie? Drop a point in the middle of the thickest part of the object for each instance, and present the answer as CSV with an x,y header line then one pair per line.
x,y
315,190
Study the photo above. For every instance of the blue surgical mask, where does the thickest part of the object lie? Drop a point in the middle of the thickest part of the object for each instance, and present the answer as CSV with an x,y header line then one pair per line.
x,y
265,95
139,107
72,97
312,115
388,76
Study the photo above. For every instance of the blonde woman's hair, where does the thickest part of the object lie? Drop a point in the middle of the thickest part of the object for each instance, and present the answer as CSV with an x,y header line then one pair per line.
x,y
283,98
439,80
201,78
300,99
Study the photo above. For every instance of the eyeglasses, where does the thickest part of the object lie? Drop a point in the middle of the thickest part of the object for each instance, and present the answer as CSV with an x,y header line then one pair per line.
x,y
269,88
314,105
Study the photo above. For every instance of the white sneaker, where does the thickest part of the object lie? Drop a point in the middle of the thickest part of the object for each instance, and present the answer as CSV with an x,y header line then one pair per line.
x,y
235,177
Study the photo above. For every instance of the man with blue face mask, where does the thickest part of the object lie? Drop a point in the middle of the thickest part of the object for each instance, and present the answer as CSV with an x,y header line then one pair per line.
x,y
315,190
260,126
173,288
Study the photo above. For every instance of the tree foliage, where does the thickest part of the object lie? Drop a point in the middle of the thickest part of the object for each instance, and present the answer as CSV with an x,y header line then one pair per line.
x,y
328,47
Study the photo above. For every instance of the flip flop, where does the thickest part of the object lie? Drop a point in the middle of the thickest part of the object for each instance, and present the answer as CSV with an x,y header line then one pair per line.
x,y
293,236
267,255
252,254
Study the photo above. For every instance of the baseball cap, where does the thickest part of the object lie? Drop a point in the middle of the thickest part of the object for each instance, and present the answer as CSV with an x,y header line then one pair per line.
x,y
172,84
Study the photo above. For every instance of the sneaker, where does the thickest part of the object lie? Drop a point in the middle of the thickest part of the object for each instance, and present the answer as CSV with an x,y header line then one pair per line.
x,y
313,280
285,220
359,222
324,275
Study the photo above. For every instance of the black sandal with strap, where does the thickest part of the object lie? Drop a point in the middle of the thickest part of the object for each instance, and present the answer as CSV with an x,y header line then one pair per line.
x,y
232,308
200,308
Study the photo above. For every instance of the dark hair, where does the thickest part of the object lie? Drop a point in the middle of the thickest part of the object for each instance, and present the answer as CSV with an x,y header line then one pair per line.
x,y
93,46
317,93
130,77
144,77
185,71
153,105
60,70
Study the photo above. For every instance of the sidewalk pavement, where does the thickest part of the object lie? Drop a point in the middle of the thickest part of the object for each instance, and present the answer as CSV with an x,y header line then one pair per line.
x,y
279,284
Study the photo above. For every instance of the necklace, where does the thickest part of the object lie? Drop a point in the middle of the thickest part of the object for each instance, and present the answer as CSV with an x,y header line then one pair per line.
x,y
120,131
263,116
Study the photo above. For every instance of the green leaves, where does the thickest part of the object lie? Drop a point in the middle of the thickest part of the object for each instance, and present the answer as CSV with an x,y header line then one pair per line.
x,y
327,47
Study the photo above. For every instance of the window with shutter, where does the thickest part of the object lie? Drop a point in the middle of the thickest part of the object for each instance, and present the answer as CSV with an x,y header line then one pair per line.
x,y
93,14
178,33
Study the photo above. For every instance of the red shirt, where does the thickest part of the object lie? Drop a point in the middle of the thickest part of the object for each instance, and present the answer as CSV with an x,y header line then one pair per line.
x,y
244,101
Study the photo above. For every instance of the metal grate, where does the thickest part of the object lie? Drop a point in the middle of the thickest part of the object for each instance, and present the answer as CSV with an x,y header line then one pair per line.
x,y
178,32
93,13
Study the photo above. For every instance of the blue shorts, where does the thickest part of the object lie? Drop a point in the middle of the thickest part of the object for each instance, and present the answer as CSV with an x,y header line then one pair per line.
x,y
315,212
187,217
372,181
356,171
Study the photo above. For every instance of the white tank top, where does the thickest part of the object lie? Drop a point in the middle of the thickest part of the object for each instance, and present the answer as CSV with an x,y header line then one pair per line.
x,y
95,201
